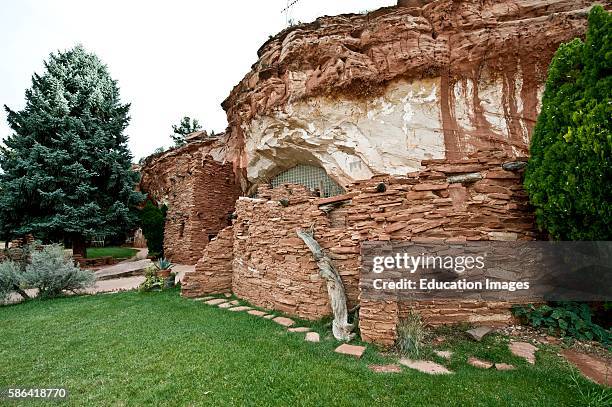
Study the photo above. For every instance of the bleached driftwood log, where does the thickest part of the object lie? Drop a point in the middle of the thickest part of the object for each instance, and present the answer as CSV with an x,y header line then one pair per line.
x,y
335,289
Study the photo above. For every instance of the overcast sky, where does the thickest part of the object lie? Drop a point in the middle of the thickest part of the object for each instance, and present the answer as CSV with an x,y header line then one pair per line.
x,y
171,58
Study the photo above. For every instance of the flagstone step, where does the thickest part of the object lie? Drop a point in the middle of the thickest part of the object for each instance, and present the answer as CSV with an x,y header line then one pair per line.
x,y
312,337
256,312
299,329
216,301
478,333
225,305
284,321
425,366
479,363
351,350
524,350
241,308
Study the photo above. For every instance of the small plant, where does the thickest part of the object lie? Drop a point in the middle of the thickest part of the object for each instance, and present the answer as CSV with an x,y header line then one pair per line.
x,y
152,280
163,264
410,335
52,272
9,278
564,319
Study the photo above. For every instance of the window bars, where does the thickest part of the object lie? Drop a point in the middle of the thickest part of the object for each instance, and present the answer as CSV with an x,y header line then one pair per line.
x,y
314,178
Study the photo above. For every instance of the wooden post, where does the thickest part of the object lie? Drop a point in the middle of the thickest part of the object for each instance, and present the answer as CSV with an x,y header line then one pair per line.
x,y
335,289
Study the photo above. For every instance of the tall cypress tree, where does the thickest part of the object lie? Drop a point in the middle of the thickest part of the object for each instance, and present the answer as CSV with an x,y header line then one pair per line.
x,y
569,172
67,171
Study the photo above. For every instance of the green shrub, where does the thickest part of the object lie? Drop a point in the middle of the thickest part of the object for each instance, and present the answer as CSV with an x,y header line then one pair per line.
x,y
570,166
564,319
152,280
410,335
52,272
152,220
10,277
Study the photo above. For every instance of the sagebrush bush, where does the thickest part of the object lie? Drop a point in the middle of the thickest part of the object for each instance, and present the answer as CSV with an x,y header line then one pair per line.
x,y
52,272
10,277
410,335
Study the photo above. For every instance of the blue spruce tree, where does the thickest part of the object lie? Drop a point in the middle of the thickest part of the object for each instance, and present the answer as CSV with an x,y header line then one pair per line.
x,y
66,170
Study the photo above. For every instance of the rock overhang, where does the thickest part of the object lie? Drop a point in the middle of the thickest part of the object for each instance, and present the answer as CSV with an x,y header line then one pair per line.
x,y
352,93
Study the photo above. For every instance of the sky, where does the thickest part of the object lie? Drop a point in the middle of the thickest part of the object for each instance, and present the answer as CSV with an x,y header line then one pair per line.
x,y
172,58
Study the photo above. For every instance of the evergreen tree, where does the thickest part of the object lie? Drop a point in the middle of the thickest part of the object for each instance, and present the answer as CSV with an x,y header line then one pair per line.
x,y
570,170
185,128
67,168
152,220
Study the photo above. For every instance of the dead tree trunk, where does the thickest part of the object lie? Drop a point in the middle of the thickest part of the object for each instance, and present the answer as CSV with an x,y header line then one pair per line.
x,y
335,289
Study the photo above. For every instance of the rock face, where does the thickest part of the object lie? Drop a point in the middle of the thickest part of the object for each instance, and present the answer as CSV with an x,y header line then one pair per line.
x,y
200,191
377,93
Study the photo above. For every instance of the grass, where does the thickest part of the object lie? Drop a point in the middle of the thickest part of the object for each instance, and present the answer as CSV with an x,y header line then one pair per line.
x,y
116,252
160,349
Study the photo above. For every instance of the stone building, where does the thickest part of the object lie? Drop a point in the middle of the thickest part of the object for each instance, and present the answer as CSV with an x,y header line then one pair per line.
x,y
434,99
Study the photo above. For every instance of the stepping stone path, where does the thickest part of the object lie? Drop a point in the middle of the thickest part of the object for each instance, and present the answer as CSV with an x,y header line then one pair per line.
x,y
346,349
446,354
299,329
203,298
225,305
227,295
216,301
524,350
385,368
478,333
284,321
425,366
241,308
479,363
593,368
504,366
352,350
257,313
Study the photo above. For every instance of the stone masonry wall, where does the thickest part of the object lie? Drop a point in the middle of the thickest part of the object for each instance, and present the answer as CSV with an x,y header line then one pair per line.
x,y
272,266
213,272
200,193
480,198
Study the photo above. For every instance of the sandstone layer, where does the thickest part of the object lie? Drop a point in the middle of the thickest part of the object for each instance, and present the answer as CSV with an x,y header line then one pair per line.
x,y
379,92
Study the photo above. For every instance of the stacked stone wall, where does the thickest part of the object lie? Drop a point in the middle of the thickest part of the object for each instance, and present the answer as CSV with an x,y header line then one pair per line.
x,y
200,193
479,198
272,266
213,272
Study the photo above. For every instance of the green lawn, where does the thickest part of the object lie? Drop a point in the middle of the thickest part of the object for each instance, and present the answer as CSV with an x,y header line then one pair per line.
x,y
161,349
116,252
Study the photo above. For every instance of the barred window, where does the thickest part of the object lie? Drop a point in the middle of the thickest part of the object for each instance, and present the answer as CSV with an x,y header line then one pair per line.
x,y
314,178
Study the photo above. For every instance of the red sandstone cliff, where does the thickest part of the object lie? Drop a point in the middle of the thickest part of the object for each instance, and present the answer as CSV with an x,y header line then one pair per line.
x,y
488,58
